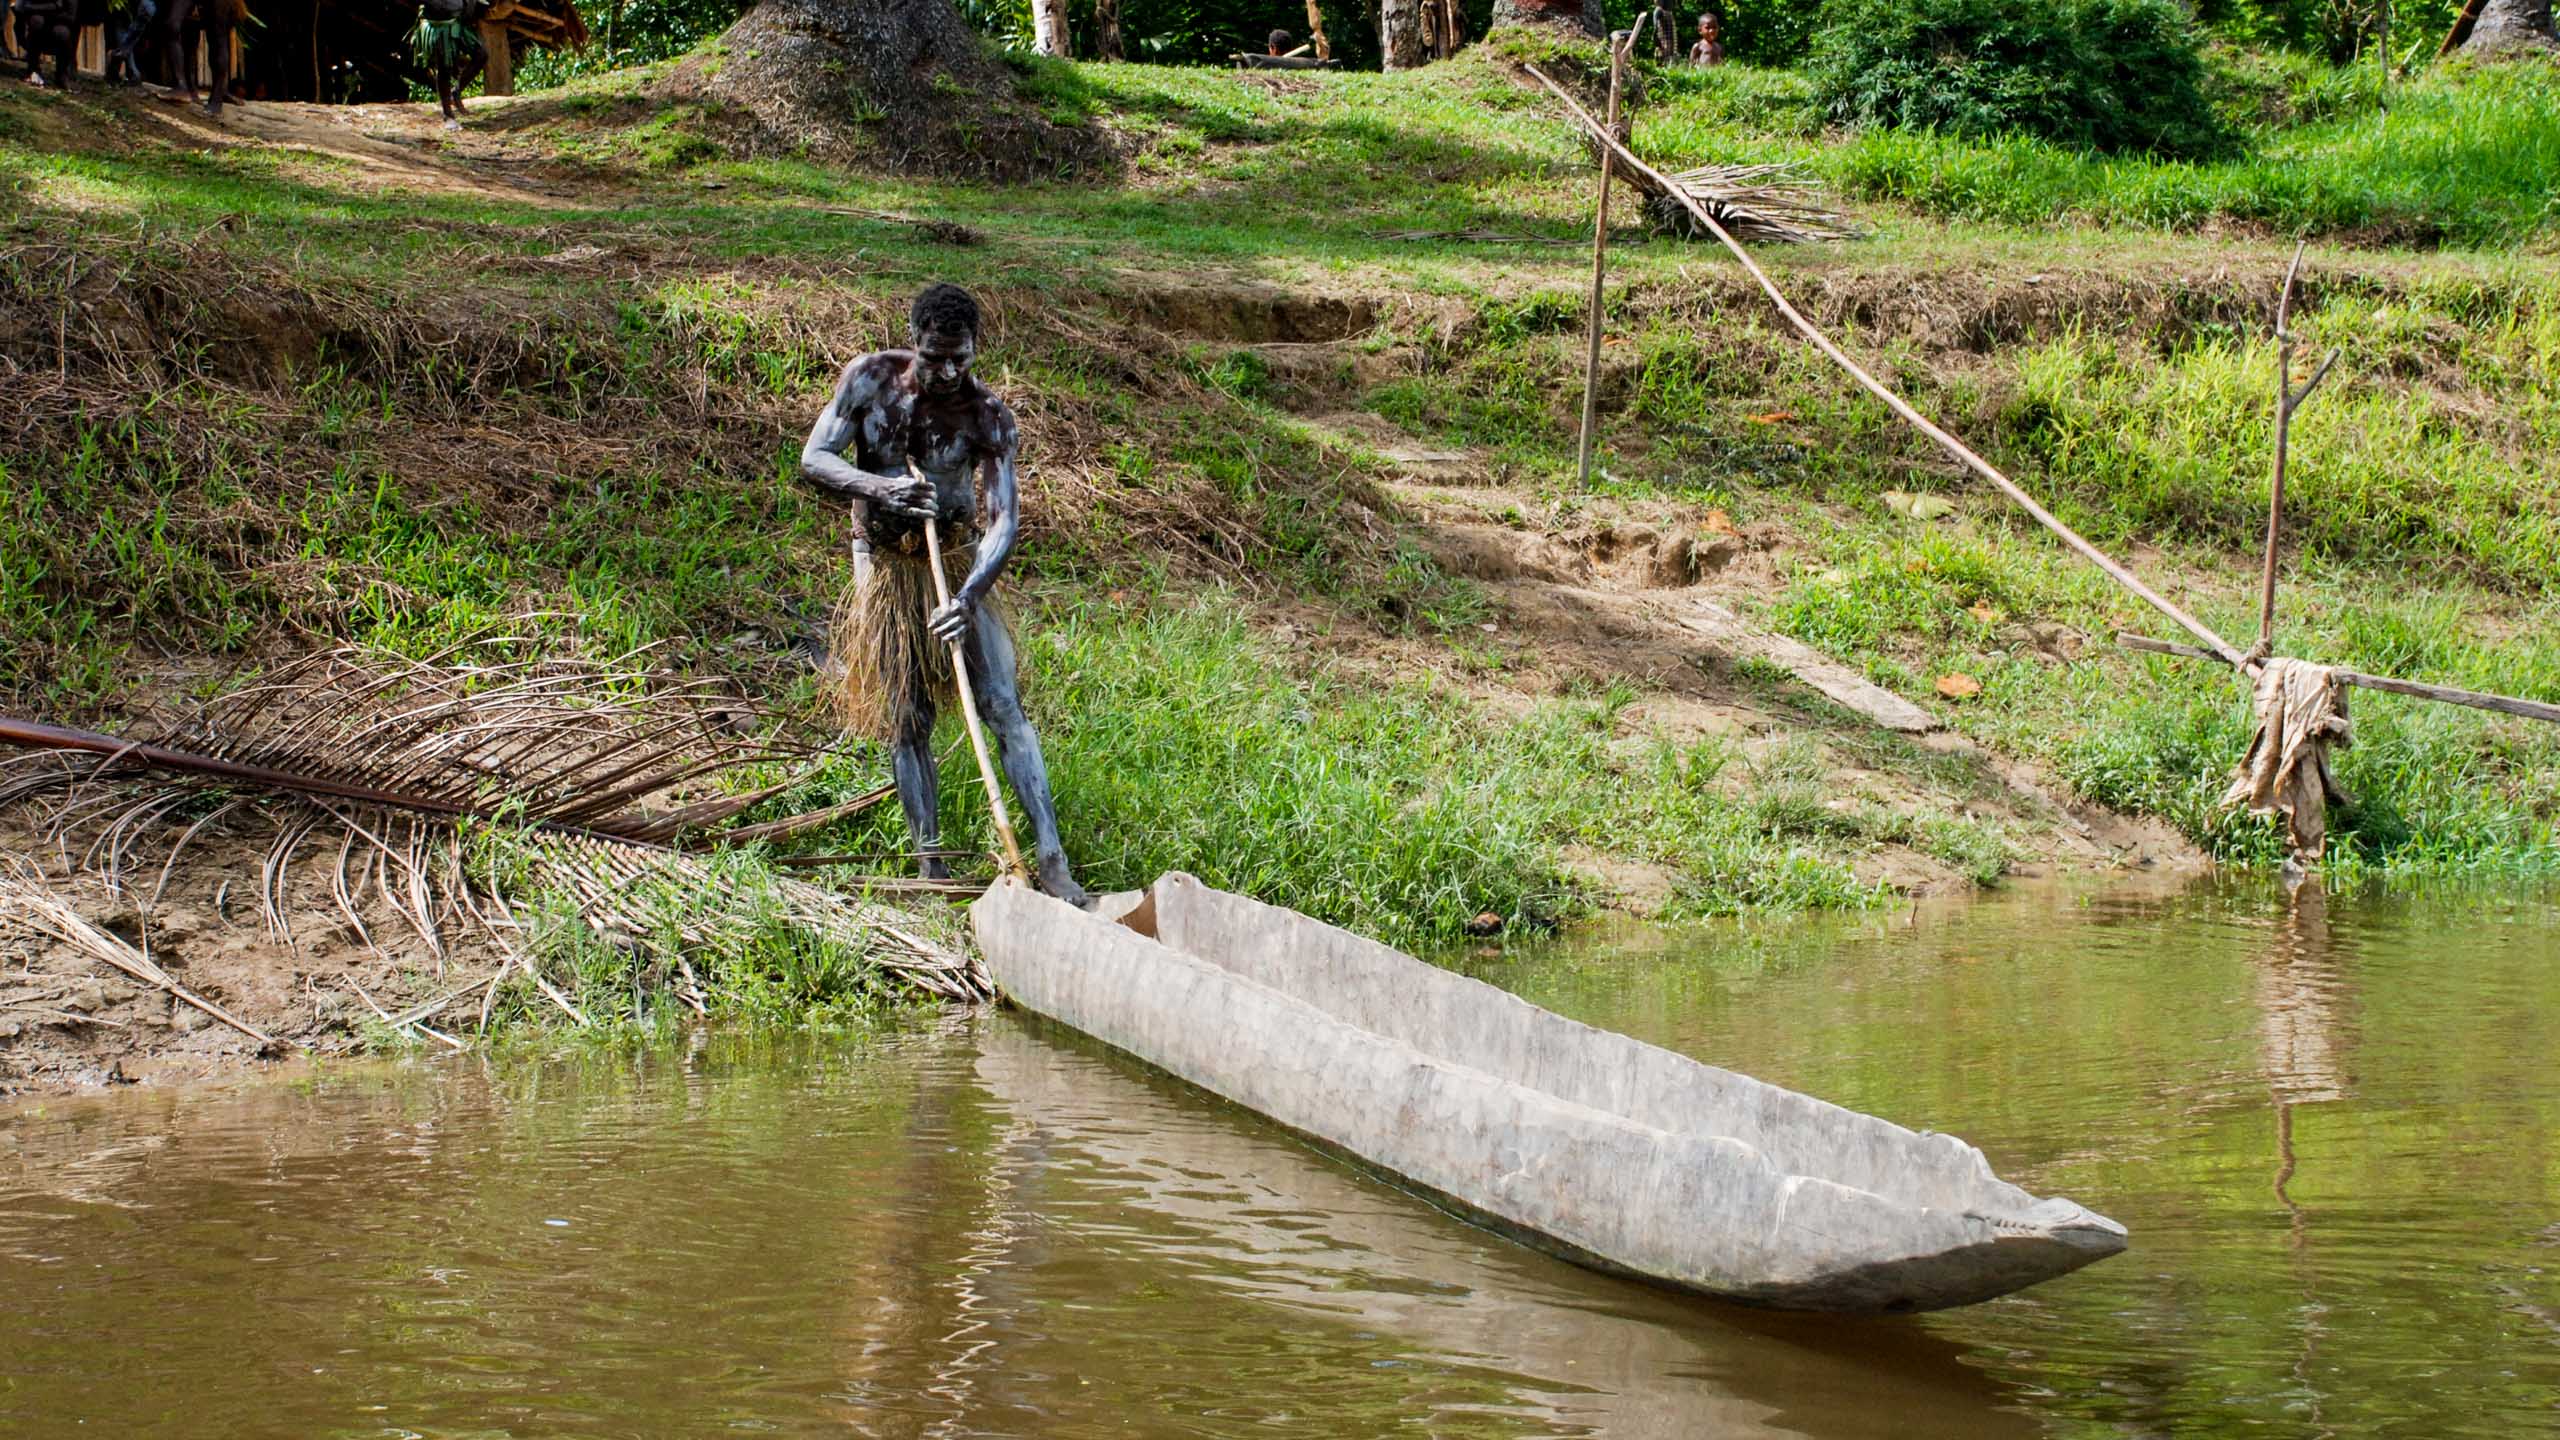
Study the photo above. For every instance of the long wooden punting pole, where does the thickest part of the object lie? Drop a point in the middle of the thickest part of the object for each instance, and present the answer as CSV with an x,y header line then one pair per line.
x,y
2221,648
969,706
2288,399
1619,44
2477,700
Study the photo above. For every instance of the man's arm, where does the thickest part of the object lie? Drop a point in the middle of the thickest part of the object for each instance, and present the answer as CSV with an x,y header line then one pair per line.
x,y
1000,497
822,461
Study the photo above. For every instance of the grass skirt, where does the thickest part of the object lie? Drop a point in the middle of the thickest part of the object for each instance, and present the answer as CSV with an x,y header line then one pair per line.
x,y
443,44
887,661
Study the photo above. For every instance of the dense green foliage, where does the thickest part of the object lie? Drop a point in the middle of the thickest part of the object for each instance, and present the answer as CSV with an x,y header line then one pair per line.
x,y
2108,75
630,32
2463,156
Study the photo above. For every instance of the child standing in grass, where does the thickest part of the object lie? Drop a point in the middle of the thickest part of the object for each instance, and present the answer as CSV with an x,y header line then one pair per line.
x,y
1710,47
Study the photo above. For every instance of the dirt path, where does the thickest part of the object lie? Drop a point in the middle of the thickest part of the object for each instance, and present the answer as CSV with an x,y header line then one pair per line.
x,y
1653,595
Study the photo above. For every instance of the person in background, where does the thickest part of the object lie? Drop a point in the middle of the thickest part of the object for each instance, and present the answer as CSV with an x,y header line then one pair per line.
x,y
1661,28
1281,42
1710,47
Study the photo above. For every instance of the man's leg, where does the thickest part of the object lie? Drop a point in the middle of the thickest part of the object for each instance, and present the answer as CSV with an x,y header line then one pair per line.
x,y
991,673
919,787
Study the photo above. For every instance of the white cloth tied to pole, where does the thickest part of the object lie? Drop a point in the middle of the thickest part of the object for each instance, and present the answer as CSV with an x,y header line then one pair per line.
x,y
2302,714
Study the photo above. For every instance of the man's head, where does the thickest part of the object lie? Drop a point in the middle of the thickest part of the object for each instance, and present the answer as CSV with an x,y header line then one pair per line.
x,y
1708,24
1281,42
944,325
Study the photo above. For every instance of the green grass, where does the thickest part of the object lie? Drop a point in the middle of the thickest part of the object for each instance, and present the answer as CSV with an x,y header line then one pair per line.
x,y
2435,789
2469,159
1179,740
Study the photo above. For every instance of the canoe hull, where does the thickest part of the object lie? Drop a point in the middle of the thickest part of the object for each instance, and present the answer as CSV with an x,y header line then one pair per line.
x,y
1683,1207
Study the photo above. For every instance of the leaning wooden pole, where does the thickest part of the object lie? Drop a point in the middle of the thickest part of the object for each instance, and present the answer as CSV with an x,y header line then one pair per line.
x,y
2288,399
2222,648
969,706
1618,47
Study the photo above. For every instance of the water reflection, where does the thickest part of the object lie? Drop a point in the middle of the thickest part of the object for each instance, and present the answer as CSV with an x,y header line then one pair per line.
x,y
2329,1124
1139,1167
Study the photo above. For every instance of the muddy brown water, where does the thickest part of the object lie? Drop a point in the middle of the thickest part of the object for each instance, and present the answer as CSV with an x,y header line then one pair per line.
x,y
2329,1126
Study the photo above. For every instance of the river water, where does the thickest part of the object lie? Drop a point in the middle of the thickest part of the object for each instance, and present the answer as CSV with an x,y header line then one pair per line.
x,y
2330,1126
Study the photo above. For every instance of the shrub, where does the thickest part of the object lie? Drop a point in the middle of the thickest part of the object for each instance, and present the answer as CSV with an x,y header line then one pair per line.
x,y
2111,75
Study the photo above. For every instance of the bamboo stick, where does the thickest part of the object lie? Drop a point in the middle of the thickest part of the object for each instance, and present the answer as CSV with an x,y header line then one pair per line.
x,y
1618,45
2448,694
969,706
2222,648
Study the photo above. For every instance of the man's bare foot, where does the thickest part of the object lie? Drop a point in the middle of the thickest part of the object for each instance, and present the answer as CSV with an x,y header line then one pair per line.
x,y
1055,880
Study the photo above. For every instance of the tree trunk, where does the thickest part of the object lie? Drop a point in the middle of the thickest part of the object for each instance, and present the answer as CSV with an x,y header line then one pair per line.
x,y
1582,15
1315,30
1106,23
1400,45
902,80
2512,26
1049,28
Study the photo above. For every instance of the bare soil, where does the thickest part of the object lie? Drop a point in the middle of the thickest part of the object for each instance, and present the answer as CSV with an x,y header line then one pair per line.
x,y
69,1020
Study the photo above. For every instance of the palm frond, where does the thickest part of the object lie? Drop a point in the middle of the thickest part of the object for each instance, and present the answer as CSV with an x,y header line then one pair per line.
x,y
389,763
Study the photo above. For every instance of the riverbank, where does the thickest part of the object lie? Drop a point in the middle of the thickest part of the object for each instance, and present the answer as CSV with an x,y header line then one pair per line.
x,y
1313,605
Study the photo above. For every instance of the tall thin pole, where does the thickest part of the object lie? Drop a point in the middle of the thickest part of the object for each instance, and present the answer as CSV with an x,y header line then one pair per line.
x,y
1618,45
969,706
2287,400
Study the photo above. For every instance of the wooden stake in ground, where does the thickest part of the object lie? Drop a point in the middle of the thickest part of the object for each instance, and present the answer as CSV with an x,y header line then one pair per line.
x,y
969,707
1315,31
1618,46
2287,399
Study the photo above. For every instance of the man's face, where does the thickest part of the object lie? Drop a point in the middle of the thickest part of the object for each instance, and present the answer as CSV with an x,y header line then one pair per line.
x,y
943,358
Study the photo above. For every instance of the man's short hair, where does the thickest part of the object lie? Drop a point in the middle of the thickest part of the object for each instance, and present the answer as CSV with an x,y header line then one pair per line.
x,y
1281,40
945,309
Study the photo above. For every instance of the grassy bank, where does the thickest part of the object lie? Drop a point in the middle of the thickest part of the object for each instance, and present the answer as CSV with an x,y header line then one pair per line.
x,y
315,401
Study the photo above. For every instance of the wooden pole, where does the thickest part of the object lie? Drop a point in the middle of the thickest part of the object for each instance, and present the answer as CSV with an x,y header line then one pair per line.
x,y
969,707
2477,700
2287,400
1618,45
2461,30
499,42
2284,425
1957,448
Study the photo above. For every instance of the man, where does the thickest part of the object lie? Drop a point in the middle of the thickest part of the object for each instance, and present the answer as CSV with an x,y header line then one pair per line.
x,y
50,30
447,42
1710,47
911,433
1279,42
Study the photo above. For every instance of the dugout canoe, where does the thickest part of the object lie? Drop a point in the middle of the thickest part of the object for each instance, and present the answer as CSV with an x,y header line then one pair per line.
x,y
1589,1145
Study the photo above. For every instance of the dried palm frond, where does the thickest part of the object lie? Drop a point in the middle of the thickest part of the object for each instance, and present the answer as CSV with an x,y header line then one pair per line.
x,y
558,745
391,760
1756,202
